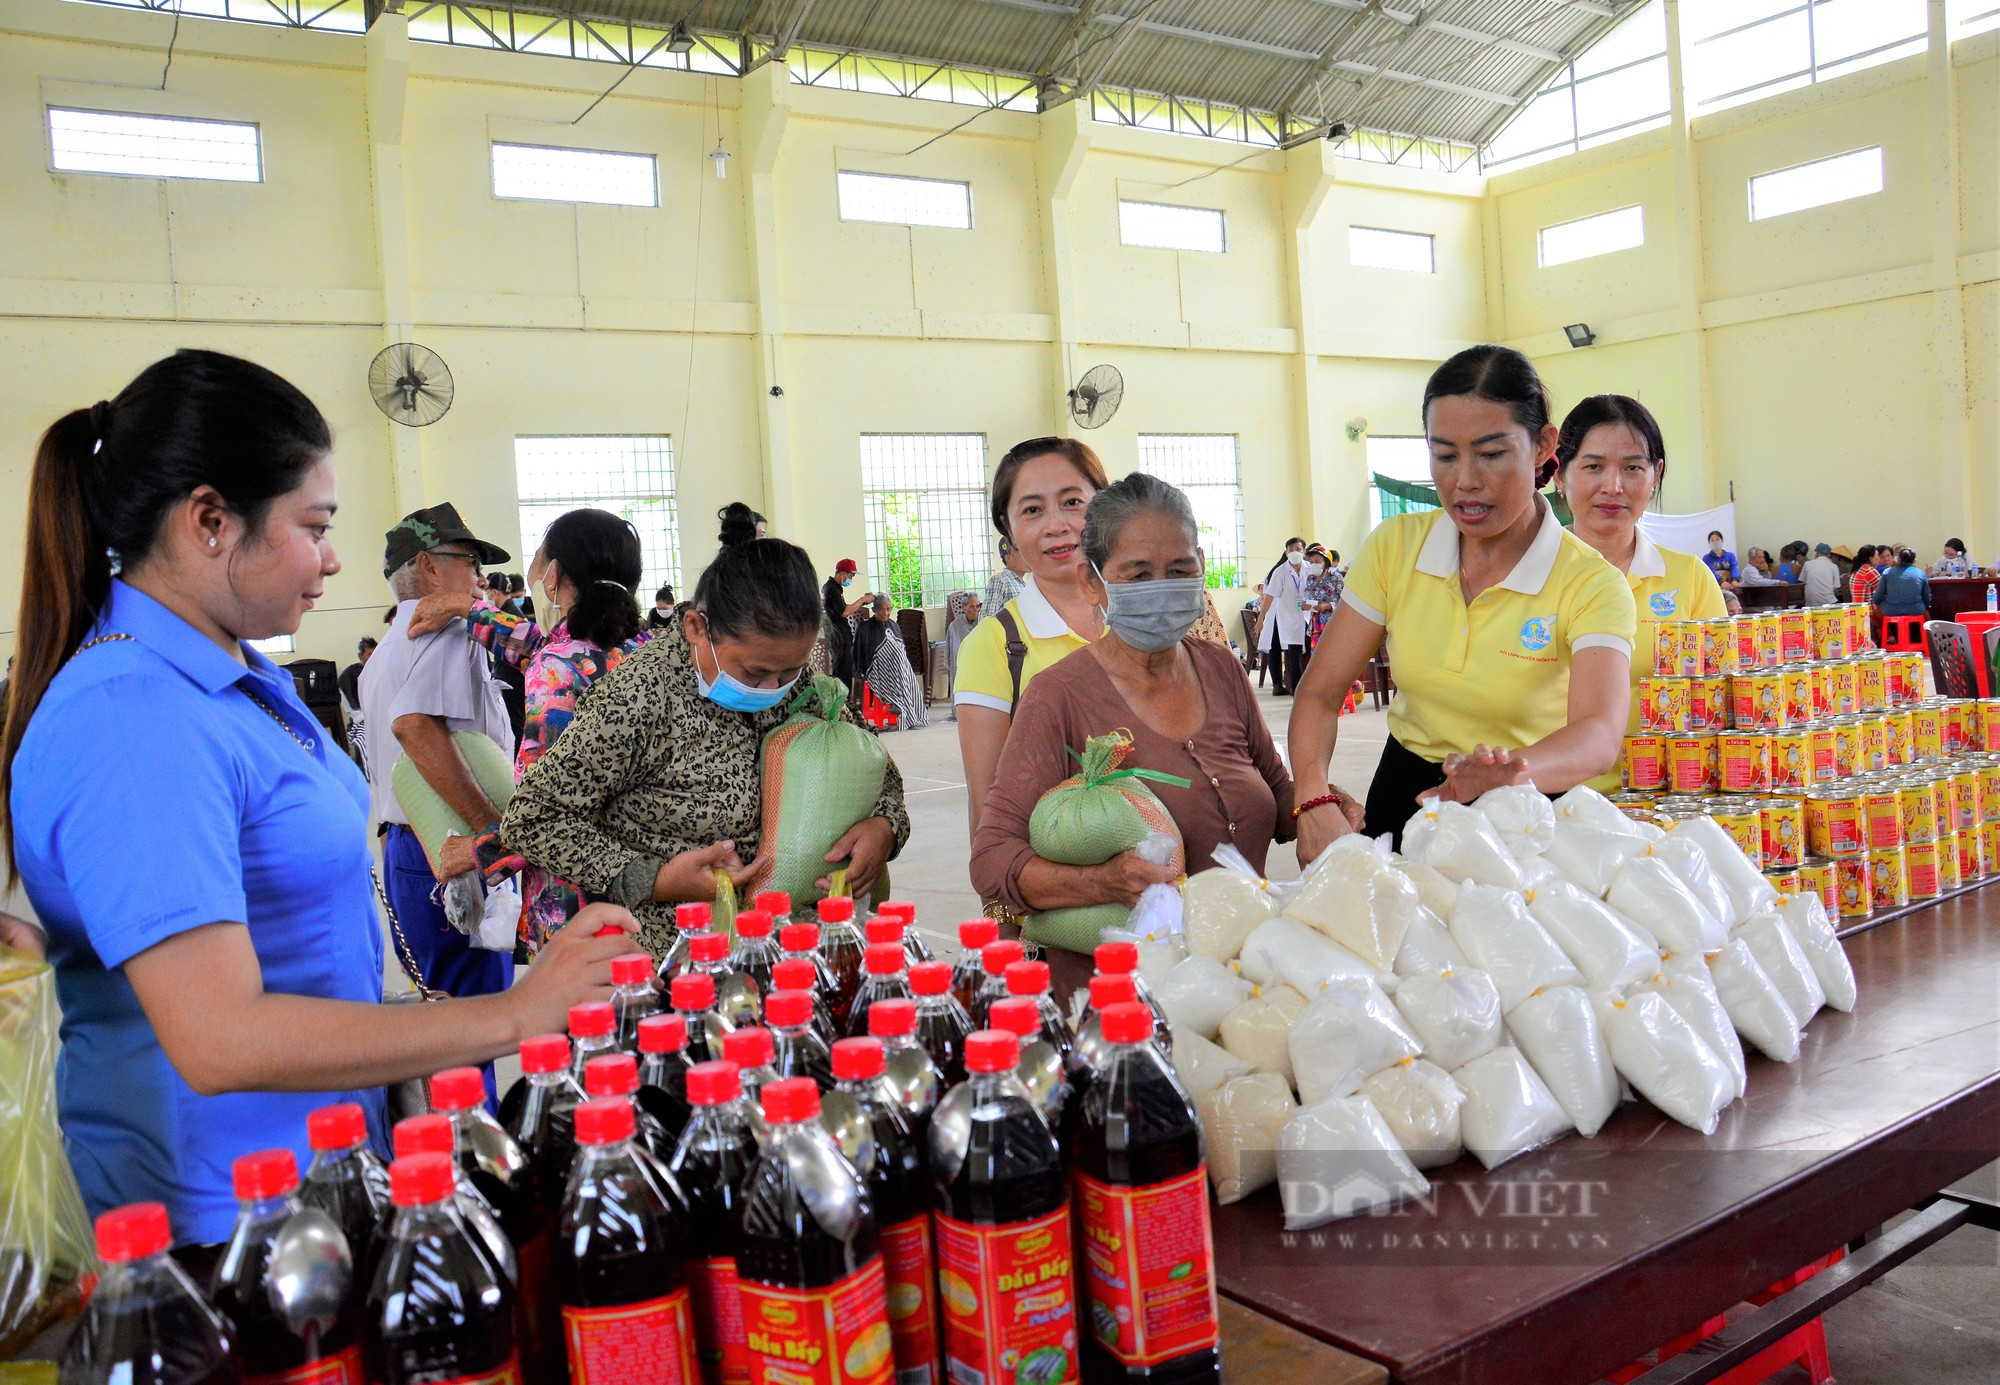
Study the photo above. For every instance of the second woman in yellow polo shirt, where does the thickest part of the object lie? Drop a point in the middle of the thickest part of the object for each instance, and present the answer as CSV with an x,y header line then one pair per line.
x,y
1509,637
1610,459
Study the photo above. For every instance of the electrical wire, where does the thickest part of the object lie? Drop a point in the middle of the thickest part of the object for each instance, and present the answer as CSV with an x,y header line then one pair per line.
x,y
172,39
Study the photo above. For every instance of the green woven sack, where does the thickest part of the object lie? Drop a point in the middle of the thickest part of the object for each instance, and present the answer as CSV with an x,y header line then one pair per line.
x,y
822,775
1086,820
430,817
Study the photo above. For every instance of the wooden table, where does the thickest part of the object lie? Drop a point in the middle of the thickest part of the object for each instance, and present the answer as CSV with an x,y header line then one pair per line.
x,y
1953,596
1771,596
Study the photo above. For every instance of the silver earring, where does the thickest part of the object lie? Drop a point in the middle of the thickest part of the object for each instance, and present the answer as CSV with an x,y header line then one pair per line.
x,y
211,543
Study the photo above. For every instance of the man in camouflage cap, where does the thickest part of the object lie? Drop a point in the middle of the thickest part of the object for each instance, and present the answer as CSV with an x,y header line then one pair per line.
x,y
432,528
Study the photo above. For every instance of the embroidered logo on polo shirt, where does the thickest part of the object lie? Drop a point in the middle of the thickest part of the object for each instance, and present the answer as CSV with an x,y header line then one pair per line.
x,y
1663,603
1535,634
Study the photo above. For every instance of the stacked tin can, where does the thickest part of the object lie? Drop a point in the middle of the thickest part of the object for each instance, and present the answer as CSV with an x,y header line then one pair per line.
x,y
1823,757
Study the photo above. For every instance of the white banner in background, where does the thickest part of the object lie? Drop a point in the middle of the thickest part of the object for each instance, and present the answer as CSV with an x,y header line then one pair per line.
x,y
1689,533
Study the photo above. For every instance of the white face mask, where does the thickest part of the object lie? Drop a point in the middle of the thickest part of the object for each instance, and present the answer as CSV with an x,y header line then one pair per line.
x,y
1296,558
1315,569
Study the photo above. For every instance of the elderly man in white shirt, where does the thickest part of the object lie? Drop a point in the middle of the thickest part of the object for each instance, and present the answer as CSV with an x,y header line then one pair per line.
x,y
1821,575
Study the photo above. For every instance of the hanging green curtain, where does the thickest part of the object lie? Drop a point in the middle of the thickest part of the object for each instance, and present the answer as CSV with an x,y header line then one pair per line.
x,y
1412,497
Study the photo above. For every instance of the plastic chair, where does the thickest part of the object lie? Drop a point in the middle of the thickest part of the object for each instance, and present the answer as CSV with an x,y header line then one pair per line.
x,y
1951,658
1903,632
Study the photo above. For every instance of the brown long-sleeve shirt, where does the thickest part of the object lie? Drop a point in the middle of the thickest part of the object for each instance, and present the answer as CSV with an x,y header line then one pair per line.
x,y
1240,792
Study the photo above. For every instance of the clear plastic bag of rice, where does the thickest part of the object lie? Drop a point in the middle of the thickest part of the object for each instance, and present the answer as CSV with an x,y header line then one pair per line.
x,y
1303,958
1748,890
1348,1033
1259,1031
1688,987
1805,916
1493,928
1608,951
1241,1121
1508,1109
1583,806
1589,855
1222,906
1536,872
1755,1005
1558,1031
1686,859
1337,1158
1649,894
1198,992
1158,953
1456,1016
1463,846
1428,949
1203,1066
1434,892
1785,962
1420,1104
1522,816
1657,1051
1357,899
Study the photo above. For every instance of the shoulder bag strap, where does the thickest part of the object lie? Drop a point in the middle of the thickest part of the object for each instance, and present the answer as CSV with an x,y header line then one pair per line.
x,y
1017,653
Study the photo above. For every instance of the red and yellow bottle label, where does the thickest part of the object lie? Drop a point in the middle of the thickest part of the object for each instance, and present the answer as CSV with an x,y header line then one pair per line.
x,y
1149,1268
509,1374
911,1271
632,1342
342,1368
834,1335
1009,1298
718,1317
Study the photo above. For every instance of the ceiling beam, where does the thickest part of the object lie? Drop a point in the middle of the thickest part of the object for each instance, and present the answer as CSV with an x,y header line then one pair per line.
x,y
1155,26
1070,37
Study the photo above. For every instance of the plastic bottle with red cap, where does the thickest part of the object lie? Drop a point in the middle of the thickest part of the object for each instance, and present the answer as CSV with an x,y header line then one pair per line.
x,y
738,1000
663,1068
438,1310
994,959
347,1181
712,1163
1003,1225
879,1139
1122,959
615,1076
753,1051
489,1156
905,913
635,994
800,1051
620,1255
1141,1183
1030,980
432,1134
1091,1049
593,1029
692,995
690,922
1040,1066
841,946
778,904
912,1077
808,1256
942,1023
267,1185
885,977
538,1112
968,974
756,950
799,942
146,1323
801,974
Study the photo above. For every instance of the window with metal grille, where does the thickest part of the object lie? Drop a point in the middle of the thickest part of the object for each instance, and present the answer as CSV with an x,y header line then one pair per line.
x,y
1399,473
924,498
1172,228
1413,251
1815,184
1205,466
542,174
154,146
631,476
1588,236
905,201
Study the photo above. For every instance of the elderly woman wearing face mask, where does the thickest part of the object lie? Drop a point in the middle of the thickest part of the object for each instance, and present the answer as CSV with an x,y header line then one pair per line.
x,y
1185,701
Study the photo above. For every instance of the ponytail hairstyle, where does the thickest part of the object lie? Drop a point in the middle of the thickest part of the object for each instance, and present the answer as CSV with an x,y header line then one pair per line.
x,y
599,553
739,524
1600,409
104,478
1499,375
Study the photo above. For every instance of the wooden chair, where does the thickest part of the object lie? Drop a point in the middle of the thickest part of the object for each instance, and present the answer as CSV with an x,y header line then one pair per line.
x,y
1381,683
1250,660
915,630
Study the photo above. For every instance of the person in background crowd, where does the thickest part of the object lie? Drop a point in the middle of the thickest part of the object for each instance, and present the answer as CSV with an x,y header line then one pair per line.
x,y
1512,636
1037,502
1720,561
523,602
1790,559
1610,460
498,590
1184,700
350,702
1952,562
738,524
962,610
658,781
1323,586
840,614
1904,589
1821,574
663,607
218,964
883,661
1861,585
1006,582
1758,570
1281,621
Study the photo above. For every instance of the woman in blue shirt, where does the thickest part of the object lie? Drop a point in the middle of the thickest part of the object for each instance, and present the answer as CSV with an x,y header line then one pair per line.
x,y
196,851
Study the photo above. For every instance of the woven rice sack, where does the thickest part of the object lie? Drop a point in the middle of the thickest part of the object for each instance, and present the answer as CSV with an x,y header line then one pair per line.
x,y
431,818
1085,821
822,775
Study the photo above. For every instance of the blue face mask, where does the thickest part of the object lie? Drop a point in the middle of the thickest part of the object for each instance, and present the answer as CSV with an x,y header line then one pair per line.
x,y
733,694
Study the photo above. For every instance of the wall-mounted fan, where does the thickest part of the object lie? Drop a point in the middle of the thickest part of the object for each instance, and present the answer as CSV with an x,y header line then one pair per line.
x,y
410,383
1096,396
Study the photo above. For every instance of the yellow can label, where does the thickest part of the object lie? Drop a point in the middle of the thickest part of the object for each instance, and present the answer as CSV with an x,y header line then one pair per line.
x,y
1817,876
1784,830
1857,893
1645,762
1888,878
1871,682
1747,761
1794,634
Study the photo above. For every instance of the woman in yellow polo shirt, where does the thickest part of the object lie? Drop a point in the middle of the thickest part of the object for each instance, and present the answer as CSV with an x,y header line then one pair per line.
x,y
1040,492
1610,460
1511,638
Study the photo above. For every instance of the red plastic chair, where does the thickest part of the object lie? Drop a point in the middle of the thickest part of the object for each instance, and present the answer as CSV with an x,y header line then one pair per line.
x,y
875,711
1904,632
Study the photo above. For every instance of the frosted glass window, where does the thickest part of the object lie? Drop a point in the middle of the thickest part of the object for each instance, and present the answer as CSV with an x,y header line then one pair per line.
x,y
1623,98
905,201
1592,235
276,644
1406,250
1171,228
154,146
1642,36
1837,179
1614,89
543,174
1745,50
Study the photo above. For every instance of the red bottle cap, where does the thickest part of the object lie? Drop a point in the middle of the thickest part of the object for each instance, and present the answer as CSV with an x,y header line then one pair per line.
x,y
418,1180
1117,958
788,1009
791,1099
883,929
340,1126
836,911
930,978
610,930
992,1050
883,959
545,1053
794,974
754,923
898,909
799,937
1018,1015
605,1121
1129,1023
422,1135
694,918
634,970
693,991
458,1089
133,1232
997,957
1107,990
663,1033
266,1173
611,1074
974,934
892,1019
712,1084
708,947
774,902
592,1020
857,1060
1028,978
749,1048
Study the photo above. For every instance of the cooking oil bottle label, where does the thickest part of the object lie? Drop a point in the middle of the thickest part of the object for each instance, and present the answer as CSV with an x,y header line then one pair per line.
x,y
911,1271
1149,1267
651,1341
1009,1298
834,1335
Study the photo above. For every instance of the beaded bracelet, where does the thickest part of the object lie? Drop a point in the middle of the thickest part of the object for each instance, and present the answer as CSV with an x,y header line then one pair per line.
x,y
1334,799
